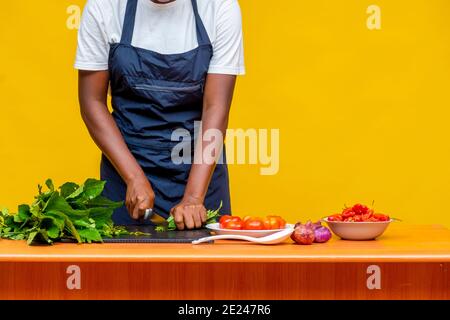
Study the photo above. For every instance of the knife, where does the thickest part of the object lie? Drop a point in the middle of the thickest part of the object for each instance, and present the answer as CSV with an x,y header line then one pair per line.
x,y
155,218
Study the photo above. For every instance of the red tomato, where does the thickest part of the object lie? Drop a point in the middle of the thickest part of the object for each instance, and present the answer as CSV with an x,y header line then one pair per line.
x,y
281,221
271,223
246,218
224,219
254,224
335,217
233,225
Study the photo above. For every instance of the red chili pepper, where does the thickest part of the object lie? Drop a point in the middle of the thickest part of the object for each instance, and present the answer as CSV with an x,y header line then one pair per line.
x,y
335,217
348,212
381,217
360,209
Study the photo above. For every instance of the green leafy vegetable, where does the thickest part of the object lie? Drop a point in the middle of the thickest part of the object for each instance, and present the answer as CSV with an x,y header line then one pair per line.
x,y
74,212
211,217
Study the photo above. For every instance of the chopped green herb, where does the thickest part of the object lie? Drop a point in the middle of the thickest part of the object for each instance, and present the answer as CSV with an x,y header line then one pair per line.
x,y
211,217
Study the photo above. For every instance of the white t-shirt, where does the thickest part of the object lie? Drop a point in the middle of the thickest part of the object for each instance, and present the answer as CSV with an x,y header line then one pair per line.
x,y
165,28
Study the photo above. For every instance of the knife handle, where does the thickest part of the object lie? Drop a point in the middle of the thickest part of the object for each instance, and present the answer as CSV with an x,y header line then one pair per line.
x,y
147,214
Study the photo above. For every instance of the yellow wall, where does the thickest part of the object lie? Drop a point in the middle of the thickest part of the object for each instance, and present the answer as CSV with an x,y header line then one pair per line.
x,y
363,114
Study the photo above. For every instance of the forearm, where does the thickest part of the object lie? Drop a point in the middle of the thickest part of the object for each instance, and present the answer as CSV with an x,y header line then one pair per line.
x,y
216,106
108,138
215,119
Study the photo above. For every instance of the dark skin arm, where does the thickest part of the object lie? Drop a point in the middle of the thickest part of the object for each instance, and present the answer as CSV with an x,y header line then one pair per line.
x,y
93,91
190,212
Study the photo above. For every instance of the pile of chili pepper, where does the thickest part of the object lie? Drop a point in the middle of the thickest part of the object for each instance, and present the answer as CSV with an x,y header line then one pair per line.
x,y
358,213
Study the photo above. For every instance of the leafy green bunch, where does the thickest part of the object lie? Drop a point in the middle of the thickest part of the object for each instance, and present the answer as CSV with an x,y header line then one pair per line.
x,y
74,212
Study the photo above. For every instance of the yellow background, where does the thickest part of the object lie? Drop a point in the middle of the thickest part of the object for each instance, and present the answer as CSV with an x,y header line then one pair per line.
x,y
363,115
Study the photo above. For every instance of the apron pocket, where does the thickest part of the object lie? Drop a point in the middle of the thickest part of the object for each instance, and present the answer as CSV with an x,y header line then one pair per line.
x,y
167,94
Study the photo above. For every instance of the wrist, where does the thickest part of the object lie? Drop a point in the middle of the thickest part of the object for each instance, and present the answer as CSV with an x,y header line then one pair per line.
x,y
134,176
193,199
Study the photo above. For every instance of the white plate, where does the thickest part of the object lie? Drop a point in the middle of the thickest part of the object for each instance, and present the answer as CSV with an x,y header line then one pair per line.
x,y
250,233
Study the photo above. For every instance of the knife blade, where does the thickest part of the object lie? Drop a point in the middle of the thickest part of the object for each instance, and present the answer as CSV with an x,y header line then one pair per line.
x,y
155,218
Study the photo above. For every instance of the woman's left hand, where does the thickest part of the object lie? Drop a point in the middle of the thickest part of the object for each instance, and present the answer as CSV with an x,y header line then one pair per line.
x,y
189,214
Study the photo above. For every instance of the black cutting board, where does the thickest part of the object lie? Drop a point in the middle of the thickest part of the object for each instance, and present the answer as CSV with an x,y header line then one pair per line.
x,y
186,236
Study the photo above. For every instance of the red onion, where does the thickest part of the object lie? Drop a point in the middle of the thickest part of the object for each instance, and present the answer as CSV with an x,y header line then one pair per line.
x,y
303,234
317,225
322,234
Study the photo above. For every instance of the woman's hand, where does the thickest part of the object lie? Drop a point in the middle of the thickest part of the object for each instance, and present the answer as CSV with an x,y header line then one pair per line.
x,y
140,197
190,213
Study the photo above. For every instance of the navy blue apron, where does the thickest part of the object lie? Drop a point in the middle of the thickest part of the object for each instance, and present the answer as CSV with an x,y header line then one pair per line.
x,y
153,95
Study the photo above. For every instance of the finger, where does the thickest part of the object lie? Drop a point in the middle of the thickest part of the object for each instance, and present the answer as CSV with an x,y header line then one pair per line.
x,y
203,214
130,207
197,218
178,218
188,218
127,204
135,209
142,208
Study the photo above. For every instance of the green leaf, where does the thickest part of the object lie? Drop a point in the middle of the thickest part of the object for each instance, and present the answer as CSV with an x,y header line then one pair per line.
x,y
35,209
103,202
68,224
42,237
49,184
58,203
212,215
86,223
171,224
18,236
31,237
53,231
90,235
76,193
67,189
23,213
59,218
101,216
53,225
160,229
93,188
72,230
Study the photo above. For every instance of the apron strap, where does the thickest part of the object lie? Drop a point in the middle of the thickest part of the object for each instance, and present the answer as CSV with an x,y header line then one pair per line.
x,y
202,35
128,22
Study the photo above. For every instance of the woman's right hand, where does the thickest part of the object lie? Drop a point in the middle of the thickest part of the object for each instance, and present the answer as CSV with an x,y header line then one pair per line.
x,y
140,197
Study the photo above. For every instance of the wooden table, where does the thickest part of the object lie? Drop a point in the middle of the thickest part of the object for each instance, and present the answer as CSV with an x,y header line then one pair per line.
x,y
407,262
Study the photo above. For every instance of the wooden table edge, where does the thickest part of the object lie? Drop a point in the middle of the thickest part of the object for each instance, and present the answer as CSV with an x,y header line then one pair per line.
x,y
227,259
